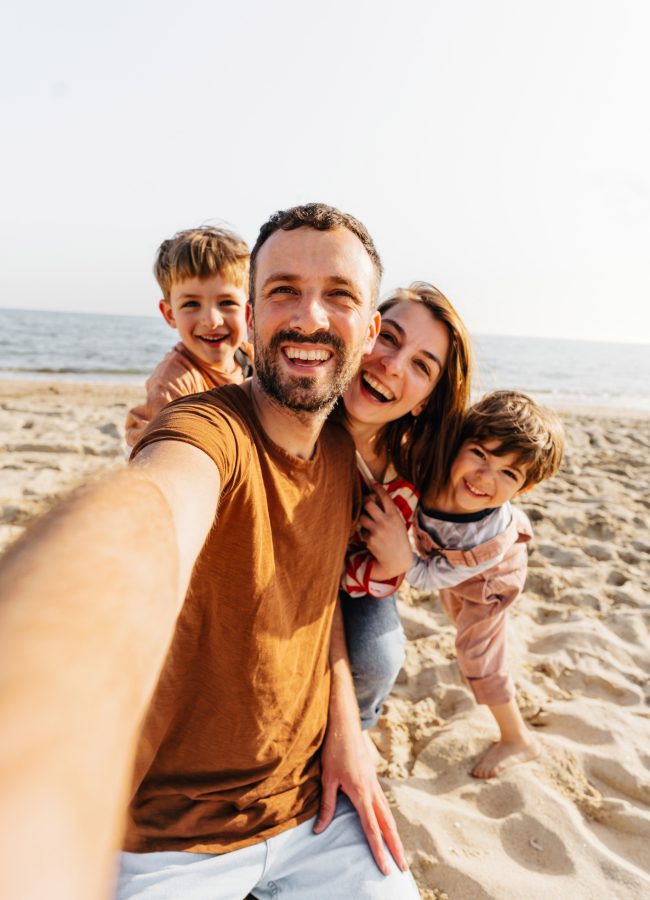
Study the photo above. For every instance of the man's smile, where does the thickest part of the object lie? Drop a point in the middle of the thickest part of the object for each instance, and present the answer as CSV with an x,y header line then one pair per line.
x,y
304,357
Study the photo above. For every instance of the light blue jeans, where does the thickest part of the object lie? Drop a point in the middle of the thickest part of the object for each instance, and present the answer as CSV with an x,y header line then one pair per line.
x,y
296,865
375,640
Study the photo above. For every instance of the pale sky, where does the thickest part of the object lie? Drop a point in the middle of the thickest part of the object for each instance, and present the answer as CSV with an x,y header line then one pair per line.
x,y
498,148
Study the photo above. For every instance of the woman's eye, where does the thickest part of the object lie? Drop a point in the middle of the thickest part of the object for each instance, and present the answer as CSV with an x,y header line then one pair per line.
x,y
422,366
387,336
510,474
477,452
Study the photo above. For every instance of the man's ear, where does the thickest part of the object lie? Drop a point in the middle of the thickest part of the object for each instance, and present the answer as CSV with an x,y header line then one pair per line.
x,y
250,320
373,330
167,313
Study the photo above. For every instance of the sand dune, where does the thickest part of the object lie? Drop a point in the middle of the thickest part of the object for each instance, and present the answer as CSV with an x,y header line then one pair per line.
x,y
576,822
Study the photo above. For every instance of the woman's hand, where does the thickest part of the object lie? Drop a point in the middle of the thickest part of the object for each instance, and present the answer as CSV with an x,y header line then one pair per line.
x,y
386,535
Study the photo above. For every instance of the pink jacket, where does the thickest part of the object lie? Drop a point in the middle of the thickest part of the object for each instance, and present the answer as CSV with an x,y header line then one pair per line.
x,y
478,606
178,374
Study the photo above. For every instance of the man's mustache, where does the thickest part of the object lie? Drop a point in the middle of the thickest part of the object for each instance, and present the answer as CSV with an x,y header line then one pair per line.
x,y
296,337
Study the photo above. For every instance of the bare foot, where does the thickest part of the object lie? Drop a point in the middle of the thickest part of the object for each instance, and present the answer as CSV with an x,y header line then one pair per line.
x,y
504,755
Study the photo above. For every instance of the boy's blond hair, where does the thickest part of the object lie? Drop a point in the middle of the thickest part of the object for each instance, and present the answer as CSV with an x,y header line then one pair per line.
x,y
201,253
533,433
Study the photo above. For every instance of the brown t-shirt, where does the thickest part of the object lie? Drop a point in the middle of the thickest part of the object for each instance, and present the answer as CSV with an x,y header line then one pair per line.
x,y
229,750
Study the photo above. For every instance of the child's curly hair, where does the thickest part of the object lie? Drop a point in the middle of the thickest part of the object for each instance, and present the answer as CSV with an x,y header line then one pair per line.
x,y
533,433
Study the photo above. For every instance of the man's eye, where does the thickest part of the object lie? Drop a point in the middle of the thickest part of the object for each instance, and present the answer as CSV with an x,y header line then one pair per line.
x,y
282,289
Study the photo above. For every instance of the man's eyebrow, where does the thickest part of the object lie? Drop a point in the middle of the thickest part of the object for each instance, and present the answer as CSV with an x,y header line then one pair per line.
x,y
400,330
290,276
280,276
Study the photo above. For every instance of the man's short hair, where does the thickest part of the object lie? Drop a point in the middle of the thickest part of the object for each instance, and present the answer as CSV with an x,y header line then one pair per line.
x,y
322,218
201,253
533,433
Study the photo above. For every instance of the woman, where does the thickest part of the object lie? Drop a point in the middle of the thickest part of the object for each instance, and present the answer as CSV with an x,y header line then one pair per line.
x,y
403,410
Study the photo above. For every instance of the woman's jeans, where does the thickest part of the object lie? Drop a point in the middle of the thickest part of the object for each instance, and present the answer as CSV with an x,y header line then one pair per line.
x,y
375,640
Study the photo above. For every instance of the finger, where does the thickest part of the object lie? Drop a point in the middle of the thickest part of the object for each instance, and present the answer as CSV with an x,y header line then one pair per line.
x,y
367,523
327,806
384,498
389,832
372,832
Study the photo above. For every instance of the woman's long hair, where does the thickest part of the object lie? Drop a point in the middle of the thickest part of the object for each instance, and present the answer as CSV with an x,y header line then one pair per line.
x,y
421,447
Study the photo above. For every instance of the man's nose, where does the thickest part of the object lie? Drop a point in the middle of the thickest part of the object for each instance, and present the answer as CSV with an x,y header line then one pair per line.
x,y
310,315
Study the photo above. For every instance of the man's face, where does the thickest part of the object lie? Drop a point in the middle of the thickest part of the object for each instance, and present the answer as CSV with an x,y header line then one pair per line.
x,y
312,319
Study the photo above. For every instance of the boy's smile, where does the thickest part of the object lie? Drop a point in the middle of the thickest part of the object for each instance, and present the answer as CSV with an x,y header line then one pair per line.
x,y
480,479
210,315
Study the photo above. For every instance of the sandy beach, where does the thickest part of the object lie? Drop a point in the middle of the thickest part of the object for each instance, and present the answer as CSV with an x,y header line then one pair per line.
x,y
576,822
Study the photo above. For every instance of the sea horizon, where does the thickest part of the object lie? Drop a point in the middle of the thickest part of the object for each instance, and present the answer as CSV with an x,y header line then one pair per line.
x,y
104,348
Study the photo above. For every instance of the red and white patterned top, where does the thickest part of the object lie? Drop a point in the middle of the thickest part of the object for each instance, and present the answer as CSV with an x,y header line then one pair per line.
x,y
357,578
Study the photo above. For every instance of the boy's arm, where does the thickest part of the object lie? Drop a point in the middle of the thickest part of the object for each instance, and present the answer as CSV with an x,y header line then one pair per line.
x,y
436,572
161,390
90,597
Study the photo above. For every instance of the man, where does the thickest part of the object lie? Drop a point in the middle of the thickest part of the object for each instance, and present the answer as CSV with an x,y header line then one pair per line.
x,y
226,775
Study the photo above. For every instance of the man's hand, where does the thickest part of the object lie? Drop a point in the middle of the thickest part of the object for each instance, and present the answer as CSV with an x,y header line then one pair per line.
x,y
386,536
346,763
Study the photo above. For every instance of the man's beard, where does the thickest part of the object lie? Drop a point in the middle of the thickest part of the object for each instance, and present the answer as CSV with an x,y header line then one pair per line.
x,y
300,393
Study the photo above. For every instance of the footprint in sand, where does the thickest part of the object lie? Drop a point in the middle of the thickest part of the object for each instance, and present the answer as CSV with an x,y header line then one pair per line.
x,y
600,528
533,846
620,778
560,556
576,729
601,552
500,800
617,578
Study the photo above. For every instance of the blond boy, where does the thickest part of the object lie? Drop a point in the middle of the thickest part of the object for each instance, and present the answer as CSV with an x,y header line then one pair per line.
x,y
203,275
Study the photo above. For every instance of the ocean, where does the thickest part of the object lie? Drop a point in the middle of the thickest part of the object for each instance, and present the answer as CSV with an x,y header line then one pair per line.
x,y
89,348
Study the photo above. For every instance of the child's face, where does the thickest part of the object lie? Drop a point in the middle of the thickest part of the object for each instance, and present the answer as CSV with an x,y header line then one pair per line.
x,y
210,315
481,480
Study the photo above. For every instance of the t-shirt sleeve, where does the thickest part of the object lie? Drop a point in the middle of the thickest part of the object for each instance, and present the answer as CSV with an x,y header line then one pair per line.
x,y
206,426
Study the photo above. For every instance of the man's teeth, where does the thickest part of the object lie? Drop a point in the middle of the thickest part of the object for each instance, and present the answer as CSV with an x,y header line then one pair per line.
x,y
320,355
378,386
475,491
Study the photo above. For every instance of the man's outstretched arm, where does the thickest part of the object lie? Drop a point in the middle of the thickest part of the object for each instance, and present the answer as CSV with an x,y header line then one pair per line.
x,y
89,599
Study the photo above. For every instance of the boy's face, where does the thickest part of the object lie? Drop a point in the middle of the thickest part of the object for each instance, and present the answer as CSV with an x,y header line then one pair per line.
x,y
481,480
210,315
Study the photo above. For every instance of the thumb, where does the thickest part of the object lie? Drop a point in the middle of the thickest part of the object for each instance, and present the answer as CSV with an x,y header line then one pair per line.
x,y
327,806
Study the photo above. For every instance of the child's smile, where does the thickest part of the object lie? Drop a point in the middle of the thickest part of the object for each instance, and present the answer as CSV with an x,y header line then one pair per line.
x,y
480,479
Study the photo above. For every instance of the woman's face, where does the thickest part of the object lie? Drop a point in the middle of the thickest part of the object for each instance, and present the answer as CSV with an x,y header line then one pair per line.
x,y
402,370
